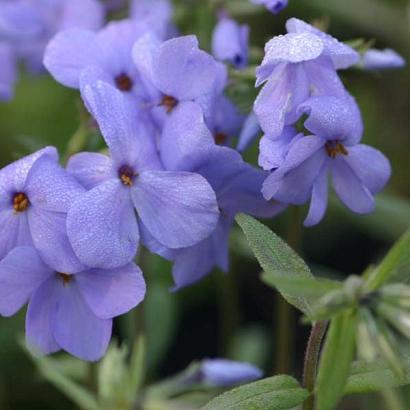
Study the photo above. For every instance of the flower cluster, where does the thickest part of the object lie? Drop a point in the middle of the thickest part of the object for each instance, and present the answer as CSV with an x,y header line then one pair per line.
x,y
303,87
27,25
171,180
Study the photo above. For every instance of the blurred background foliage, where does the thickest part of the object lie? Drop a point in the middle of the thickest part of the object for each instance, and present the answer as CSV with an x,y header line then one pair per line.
x,y
233,315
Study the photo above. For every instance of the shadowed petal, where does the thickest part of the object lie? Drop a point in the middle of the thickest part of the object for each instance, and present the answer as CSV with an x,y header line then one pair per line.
x,y
75,327
90,169
111,293
21,272
185,138
350,189
286,89
102,226
49,233
178,208
39,334
129,138
184,71
318,202
334,118
17,228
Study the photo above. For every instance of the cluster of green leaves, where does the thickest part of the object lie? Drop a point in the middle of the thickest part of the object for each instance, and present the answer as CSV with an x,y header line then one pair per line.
x,y
370,305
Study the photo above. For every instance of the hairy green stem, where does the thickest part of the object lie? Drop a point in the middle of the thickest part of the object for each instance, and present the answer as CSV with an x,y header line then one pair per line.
x,y
311,361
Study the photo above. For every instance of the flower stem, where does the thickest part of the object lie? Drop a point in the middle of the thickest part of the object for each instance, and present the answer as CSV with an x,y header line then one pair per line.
x,y
285,313
311,361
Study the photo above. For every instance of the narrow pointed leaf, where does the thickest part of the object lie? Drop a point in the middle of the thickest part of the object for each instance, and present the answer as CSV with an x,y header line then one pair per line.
x,y
395,267
275,257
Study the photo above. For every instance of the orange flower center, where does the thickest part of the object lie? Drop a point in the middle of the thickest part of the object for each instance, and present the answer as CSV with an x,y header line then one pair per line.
x,y
20,202
335,148
169,102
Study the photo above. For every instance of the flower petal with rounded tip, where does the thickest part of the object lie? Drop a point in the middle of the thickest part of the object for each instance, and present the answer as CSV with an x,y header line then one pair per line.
x,y
50,187
289,48
69,52
113,292
76,328
90,168
370,166
102,226
341,54
178,208
13,176
182,70
334,118
39,334
21,272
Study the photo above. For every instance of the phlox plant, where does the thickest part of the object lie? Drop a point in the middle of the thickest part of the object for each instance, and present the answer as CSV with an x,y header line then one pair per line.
x,y
171,175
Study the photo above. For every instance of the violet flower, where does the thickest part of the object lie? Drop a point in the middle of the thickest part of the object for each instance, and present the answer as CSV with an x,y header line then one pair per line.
x,y
178,72
358,171
78,57
224,372
67,311
188,145
27,25
297,65
35,196
178,208
274,6
7,72
230,42
386,59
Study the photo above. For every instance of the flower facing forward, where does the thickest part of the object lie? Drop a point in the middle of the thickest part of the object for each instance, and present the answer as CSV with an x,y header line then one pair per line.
x,y
301,170
179,209
67,311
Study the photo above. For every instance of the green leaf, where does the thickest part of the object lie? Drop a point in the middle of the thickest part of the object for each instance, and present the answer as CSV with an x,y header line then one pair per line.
x,y
336,360
275,256
300,286
395,266
273,393
370,377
